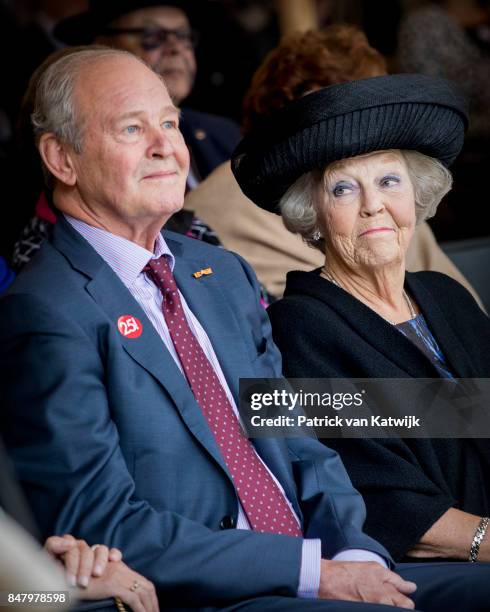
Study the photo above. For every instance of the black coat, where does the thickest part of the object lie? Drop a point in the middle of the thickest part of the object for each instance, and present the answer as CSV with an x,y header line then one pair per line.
x,y
324,332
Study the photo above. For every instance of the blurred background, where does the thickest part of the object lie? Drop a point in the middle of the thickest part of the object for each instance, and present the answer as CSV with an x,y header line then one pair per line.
x,y
450,38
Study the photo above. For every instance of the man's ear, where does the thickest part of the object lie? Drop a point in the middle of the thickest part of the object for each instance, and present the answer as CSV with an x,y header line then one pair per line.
x,y
57,158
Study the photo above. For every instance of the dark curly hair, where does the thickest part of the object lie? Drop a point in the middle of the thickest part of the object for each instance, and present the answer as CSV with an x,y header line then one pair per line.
x,y
305,61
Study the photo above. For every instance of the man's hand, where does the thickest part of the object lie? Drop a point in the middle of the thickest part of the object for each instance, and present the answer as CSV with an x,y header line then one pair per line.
x,y
364,581
81,561
121,581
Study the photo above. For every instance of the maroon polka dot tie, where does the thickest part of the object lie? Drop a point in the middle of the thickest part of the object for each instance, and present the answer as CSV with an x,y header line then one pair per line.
x,y
262,500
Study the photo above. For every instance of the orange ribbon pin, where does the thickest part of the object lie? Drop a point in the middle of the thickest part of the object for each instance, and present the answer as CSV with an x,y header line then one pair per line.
x,y
203,272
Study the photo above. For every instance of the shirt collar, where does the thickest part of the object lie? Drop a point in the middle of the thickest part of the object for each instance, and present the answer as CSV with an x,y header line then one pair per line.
x,y
125,257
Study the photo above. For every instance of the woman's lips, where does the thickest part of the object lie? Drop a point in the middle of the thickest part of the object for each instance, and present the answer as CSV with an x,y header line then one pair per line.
x,y
376,230
160,175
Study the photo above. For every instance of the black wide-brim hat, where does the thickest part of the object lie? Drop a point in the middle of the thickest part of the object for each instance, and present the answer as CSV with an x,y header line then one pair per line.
x,y
403,111
83,28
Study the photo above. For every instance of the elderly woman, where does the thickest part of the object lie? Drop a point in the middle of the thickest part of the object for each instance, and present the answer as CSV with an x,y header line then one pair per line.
x,y
353,168
302,62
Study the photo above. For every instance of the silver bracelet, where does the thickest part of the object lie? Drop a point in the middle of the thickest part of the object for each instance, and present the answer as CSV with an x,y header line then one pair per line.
x,y
478,538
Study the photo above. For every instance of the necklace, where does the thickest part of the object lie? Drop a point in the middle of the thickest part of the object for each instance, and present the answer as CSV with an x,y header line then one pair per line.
x,y
411,309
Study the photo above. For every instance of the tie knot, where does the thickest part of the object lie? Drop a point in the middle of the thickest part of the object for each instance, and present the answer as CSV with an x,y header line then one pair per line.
x,y
160,272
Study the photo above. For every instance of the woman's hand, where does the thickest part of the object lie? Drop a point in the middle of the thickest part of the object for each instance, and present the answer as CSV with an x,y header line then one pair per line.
x,y
121,581
451,537
100,573
81,561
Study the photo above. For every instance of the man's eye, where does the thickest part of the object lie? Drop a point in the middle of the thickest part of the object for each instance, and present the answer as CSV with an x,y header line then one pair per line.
x,y
168,125
132,129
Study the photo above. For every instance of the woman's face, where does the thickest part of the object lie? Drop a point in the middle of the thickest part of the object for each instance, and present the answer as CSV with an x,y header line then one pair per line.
x,y
366,209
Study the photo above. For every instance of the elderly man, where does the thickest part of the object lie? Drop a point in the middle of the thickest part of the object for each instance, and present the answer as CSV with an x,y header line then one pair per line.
x,y
161,33
120,354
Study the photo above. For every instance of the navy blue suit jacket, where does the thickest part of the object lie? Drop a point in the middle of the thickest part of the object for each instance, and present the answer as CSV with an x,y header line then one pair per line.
x,y
210,138
111,446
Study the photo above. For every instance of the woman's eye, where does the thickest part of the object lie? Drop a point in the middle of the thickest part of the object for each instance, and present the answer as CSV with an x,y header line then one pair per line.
x,y
389,181
168,125
132,129
341,189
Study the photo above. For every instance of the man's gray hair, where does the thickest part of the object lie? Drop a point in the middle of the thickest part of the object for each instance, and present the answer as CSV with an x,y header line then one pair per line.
x,y
54,107
430,179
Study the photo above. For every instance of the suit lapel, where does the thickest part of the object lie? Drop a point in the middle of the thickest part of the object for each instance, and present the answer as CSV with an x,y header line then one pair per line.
x,y
211,307
147,350
275,455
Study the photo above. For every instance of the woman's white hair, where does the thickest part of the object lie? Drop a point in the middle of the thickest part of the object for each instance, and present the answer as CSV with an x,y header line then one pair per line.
x,y
298,206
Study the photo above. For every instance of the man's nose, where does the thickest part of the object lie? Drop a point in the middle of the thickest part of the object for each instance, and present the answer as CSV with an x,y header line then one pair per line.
x,y
160,144
171,43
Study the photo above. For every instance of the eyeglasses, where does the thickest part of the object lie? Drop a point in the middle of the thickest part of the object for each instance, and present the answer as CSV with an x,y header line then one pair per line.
x,y
154,37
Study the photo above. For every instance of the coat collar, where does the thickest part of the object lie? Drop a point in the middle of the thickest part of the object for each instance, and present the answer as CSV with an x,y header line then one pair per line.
x,y
454,351
381,334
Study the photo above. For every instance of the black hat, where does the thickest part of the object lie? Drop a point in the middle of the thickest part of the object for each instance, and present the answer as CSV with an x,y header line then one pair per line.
x,y
83,28
403,111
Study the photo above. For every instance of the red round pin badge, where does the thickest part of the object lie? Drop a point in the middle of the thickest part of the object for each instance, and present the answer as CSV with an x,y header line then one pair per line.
x,y
129,326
